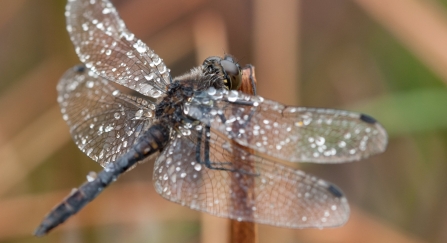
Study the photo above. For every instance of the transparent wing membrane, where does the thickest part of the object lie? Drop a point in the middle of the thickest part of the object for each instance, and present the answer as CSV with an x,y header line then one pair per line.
x,y
296,134
244,186
104,45
104,122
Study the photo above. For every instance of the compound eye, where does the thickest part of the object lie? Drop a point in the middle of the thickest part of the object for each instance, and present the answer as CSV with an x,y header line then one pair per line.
x,y
233,72
229,58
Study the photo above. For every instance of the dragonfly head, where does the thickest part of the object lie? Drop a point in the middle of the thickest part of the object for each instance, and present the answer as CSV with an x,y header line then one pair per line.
x,y
227,68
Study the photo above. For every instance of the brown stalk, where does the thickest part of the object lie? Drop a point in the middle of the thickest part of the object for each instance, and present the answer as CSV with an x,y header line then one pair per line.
x,y
241,231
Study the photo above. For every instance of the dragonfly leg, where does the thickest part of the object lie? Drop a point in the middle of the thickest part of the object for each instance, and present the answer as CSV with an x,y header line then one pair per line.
x,y
226,166
206,153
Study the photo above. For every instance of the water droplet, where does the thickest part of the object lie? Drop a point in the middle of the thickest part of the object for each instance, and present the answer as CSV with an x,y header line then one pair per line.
x,y
85,26
161,68
140,46
90,84
150,76
156,93
106,10
128,36
138,114
186,109
233,95
91,176
185,132
212,91
198,167
156,59
320,141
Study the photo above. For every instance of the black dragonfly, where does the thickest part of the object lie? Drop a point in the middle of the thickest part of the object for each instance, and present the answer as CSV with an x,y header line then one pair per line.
x,y
219,150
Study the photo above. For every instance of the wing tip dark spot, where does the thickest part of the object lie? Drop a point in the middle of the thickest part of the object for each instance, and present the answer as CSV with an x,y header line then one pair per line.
x,y
79,68
367,119
335,191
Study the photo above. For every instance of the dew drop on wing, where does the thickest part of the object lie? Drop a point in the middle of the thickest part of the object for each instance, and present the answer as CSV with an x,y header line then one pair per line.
x,y
367,119
91,176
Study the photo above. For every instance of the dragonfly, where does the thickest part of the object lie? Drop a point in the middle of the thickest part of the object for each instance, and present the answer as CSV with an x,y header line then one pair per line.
x,y
217,149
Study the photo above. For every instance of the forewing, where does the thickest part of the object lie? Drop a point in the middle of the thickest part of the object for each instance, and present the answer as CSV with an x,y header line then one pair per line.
x,y
243,186
103,121
296,134
104,45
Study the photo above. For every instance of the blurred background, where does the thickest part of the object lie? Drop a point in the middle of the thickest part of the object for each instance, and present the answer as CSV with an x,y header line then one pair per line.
x,y
388,60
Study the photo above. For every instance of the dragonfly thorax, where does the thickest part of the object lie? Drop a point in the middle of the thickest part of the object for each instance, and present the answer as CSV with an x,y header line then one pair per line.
x,y
171,107
217,72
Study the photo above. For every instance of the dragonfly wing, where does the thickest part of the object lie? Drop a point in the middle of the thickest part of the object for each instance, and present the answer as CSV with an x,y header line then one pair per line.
x,y
296,134
104,45
246,187
103,121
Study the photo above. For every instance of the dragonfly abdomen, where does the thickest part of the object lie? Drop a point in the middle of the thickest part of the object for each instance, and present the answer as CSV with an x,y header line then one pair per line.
x,y
154,139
